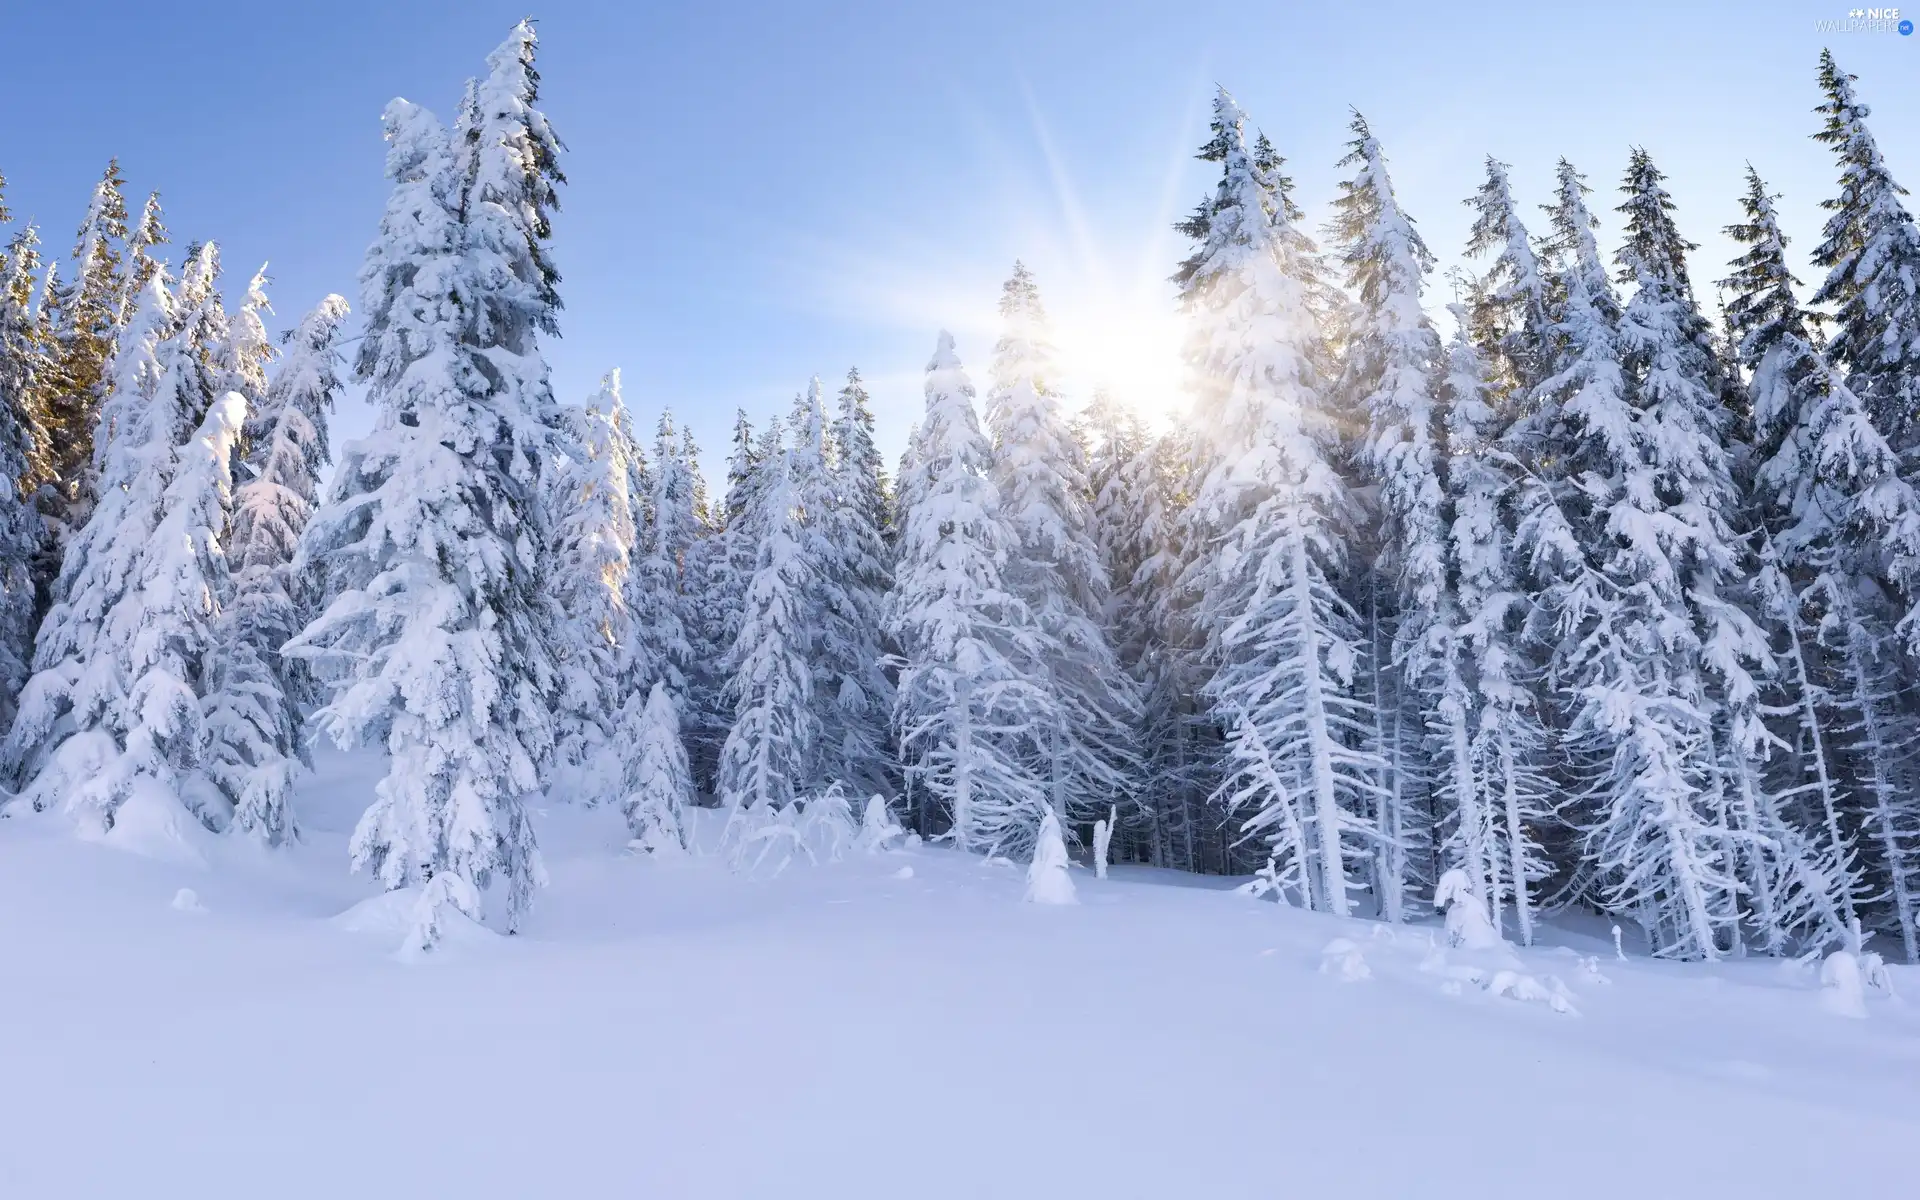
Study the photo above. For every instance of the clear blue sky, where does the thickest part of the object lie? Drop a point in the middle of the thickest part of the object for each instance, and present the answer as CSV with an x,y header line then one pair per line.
x,y
762,192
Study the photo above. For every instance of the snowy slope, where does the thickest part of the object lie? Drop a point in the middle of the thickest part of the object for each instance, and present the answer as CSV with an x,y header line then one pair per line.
x,y
671,1030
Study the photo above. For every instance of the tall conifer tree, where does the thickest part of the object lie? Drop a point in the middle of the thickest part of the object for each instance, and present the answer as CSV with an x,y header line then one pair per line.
x,y
859,696
1837,520
594,544
1056,569
24,372
1503,795
1871,249
1511,310
1284,640
257,709
1393,369
435,538
971,680
85,316
768,758
114,713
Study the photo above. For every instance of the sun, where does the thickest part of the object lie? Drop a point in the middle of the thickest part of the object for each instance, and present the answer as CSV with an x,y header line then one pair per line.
x,y
1127,345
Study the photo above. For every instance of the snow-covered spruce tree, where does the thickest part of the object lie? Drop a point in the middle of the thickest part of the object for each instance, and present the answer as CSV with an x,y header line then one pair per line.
x,y
656,656
245,355
857,696
1332,309
861,470
33,369
257,701
1283,641
1056,568
97,571
702,500
661,650
1871,249
827,610
201,316
1547,453
1122,480
593,545
769,753
148,234
86,312
658,788
1127,519
679,496
702,720
718,568
1691,401
113,713
435,634
1836,515
1626,531
1191,734
1180,742
1393,368
1506,345
1502,795
1144,500
1115,440
1511,314
970,684
24,369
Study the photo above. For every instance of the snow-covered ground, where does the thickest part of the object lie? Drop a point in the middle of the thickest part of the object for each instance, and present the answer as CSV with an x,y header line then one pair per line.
x,y
891,1026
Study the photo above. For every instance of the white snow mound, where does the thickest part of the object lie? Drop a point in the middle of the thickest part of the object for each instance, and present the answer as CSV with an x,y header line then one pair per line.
x,y
1341,958
1497,971
395,915
152,822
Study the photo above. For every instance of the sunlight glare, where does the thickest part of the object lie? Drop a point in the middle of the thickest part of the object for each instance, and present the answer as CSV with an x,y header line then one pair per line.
x,y
1126,344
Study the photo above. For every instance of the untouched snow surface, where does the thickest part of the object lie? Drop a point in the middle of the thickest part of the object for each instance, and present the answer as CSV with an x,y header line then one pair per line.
x,y
899,1025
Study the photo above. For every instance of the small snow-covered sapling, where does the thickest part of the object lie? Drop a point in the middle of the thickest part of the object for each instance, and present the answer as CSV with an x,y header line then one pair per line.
x,y
1102,839
1467,922
878,828
765,834
827,824
1047,879
659,783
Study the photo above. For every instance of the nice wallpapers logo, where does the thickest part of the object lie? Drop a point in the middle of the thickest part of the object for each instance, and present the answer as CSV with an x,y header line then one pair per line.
x,y
1868,20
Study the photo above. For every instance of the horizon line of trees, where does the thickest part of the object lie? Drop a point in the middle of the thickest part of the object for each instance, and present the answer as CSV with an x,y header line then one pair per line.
x,y
1595,602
